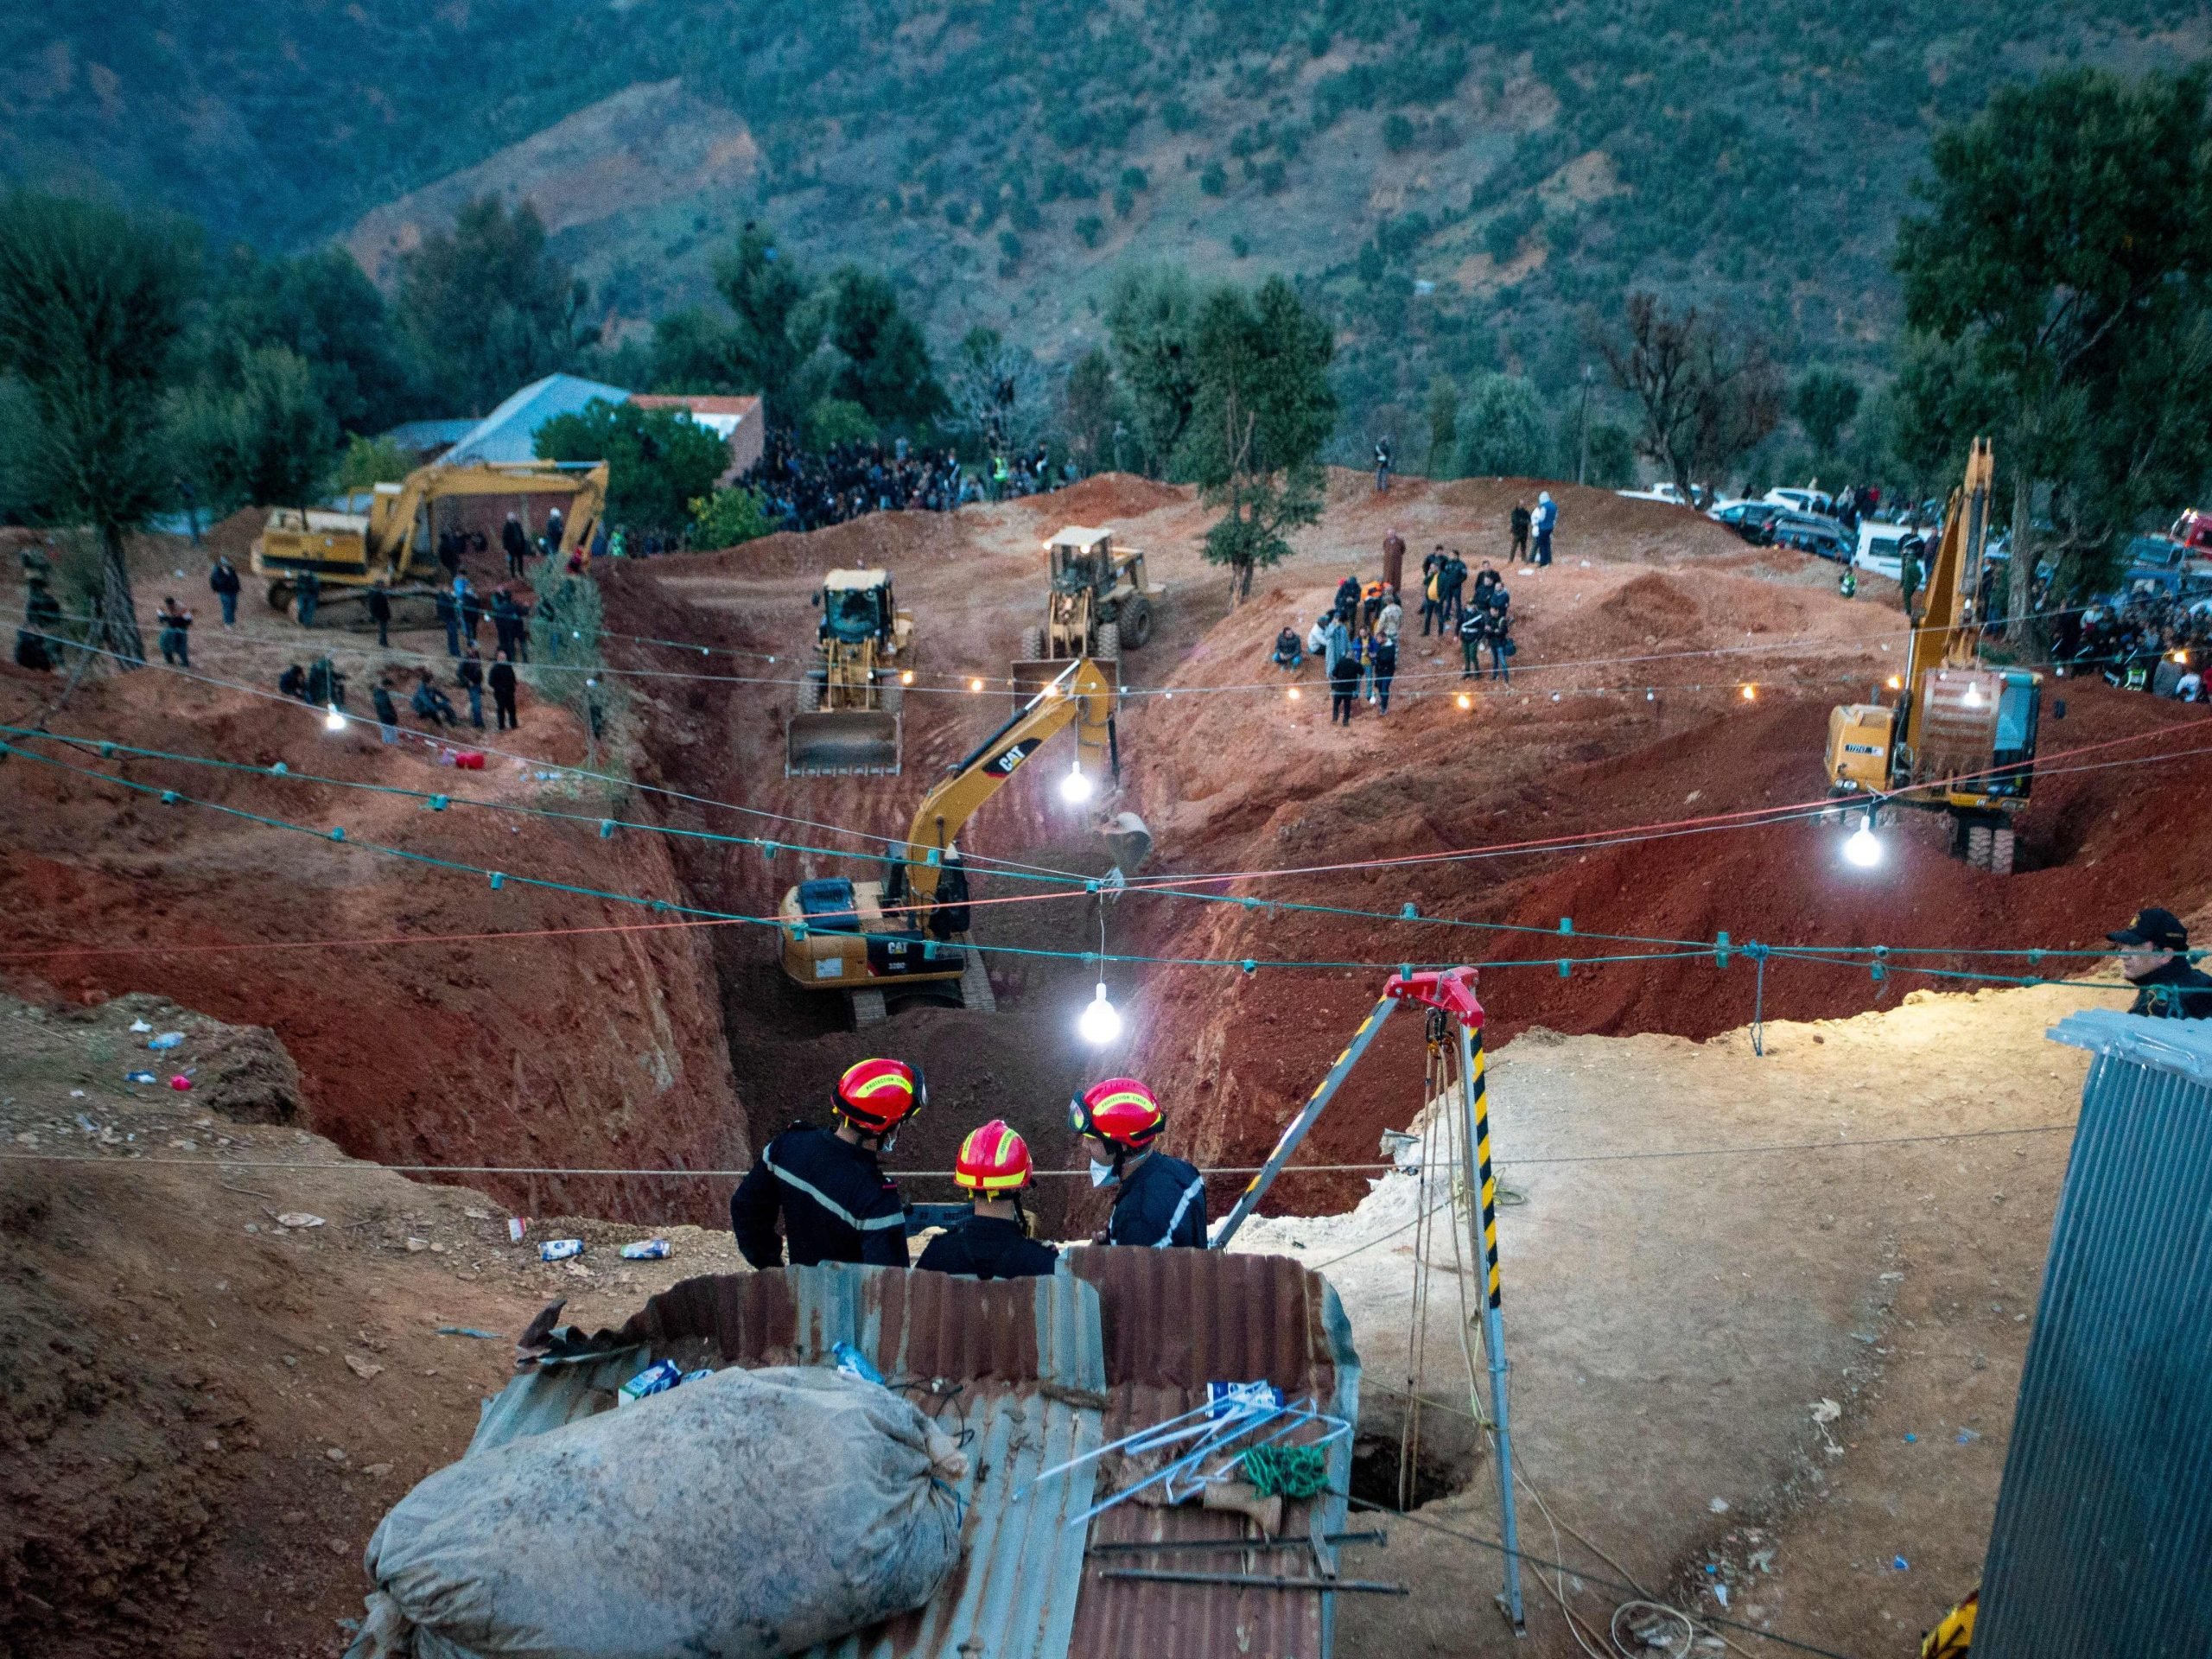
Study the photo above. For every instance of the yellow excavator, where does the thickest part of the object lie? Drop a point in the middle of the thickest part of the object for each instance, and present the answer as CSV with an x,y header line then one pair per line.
x,y
906,934
393,541
1960,738
847,720
1098,605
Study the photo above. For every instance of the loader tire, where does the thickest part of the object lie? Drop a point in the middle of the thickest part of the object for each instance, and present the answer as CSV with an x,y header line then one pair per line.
x,y
1032,644
279,595
1979,838
1136,622
1108,649
2001,853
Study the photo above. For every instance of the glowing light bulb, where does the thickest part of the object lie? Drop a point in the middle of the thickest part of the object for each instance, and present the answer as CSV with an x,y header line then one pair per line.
x,y
975,685
1075,788
1101,1022
906,676
1864,848
1972,698
1294,693
332,720
1751,694
2181,657
1896,682
1465,701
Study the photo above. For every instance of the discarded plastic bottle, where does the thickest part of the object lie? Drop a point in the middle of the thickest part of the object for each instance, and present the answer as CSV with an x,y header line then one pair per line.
x,y
853,1363
646,1249
560,1249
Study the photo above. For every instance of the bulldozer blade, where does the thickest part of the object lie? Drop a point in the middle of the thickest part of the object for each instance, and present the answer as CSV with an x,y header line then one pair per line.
x,y
1032,674
842,742
1128,841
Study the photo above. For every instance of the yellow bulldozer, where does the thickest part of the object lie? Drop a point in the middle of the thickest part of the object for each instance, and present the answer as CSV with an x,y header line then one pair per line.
x,y
1098,606
906,935
849,713
393,541
1960,738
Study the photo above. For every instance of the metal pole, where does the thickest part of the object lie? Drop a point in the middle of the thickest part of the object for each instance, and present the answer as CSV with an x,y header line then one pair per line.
x,y
1482,1184
1582,465
1257,1188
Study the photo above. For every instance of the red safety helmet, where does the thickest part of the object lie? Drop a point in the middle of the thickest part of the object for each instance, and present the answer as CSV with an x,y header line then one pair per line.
x,y
1120,1112
875,1096
993,1159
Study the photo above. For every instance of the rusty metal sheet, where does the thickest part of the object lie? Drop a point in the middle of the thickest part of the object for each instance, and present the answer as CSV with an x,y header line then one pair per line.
x,y
1172,1322
1013,1368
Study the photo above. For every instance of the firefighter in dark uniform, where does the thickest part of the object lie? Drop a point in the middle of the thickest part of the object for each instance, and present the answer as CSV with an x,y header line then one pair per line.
x,y
993,1242
1160,1200
2154,957
835,1205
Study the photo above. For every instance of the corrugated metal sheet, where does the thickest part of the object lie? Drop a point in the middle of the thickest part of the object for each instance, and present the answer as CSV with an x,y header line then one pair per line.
x,y
2102,1542
1175,1321
1014,1367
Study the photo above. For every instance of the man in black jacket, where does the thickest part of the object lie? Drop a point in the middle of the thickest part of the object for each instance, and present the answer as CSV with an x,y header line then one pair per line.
x,y
502,682
2154,957
835,1202
1162,1200
380,614
993,1242
514,544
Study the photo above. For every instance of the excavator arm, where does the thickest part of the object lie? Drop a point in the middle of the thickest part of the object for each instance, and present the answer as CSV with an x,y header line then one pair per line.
x,y
1081,694
393,518
1946,635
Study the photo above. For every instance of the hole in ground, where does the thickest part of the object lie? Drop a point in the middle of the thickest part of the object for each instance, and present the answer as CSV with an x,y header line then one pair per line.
x,y
1445,1451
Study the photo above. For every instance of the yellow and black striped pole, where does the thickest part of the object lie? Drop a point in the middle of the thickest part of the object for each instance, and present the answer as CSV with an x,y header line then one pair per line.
x,y
1481,1184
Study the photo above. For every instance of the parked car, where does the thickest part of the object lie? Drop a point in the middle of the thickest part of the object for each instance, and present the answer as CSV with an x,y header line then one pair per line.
x,y
1818,503
1810,533
1660,492
1882,549
1752,520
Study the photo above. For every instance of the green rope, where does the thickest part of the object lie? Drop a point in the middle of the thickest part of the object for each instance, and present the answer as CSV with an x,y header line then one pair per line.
x,y
1294,1472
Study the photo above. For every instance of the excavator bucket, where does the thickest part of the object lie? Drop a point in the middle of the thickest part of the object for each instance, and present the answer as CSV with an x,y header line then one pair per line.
x,y
842,742
1128,841
1032,674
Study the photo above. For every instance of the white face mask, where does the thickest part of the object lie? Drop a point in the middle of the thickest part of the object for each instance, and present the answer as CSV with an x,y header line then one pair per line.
x,y
1103,1175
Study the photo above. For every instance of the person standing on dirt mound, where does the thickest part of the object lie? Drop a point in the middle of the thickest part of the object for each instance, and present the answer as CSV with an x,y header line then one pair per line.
x,y
1160,1200
993,1242
1519,524
1432,602
1394,560
1546,520
835,1202
2154,958
1348,599
1450,589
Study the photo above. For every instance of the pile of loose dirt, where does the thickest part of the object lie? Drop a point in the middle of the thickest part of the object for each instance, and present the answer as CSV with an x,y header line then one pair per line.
x,y
204,1411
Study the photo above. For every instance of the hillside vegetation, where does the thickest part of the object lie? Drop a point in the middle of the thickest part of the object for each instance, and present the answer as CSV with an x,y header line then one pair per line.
x,y
1005,158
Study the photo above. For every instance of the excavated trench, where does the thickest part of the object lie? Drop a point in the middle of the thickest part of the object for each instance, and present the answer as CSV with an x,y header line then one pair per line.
x,y
1627,710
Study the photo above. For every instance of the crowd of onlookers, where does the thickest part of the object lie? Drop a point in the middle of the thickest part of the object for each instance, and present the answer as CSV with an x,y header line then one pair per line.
x,y
805,490
2150,643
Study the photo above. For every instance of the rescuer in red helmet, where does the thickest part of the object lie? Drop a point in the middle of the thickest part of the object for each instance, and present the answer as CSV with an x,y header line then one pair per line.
x,y
1162,1200
836,1205
993,1242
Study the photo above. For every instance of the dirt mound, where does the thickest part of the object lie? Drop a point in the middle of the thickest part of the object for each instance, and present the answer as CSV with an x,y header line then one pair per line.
x,y
1657,601
571,1048
1107,495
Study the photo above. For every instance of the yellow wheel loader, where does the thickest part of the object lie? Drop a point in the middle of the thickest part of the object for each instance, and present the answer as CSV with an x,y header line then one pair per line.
x,y
1099,604
906,934
1960,738
849,713
393,543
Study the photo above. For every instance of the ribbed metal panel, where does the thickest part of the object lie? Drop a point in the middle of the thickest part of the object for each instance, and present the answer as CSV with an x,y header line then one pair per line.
x,y
2102,1542
1013,1366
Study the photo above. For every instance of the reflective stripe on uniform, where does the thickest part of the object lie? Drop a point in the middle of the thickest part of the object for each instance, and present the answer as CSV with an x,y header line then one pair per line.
x,y
1176,1220
869,1225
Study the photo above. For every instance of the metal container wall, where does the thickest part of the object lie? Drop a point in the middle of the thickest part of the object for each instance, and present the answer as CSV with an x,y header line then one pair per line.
x,y
2102,1542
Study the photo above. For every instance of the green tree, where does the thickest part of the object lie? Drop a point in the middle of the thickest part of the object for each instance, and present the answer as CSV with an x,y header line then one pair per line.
x,y
1092,406
1612,455
1151,317
1261,411
263,439
488,307
368,462
1825,403
885,367
1443,425
728,517
658,461
2067,243
832,421
92,307
1709,394
1502,432
566,666
998,400
322,308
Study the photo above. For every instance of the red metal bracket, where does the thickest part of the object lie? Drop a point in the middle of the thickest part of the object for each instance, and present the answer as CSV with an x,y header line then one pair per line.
x,y
1452,990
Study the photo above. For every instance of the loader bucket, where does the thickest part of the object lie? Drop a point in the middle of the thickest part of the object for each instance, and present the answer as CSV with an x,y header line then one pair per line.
x,y
1032,674
840,742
